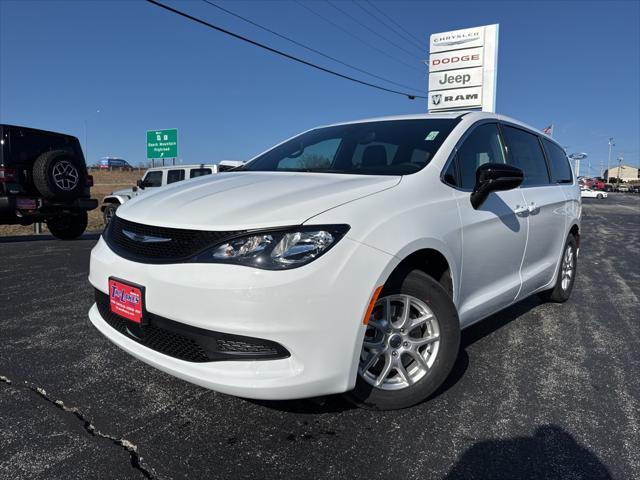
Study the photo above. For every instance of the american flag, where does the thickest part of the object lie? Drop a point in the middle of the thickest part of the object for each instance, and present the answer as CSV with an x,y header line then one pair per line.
x,y
548,130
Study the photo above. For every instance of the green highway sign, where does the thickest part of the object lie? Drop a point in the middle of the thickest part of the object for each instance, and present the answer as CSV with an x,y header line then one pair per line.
x,y
162,143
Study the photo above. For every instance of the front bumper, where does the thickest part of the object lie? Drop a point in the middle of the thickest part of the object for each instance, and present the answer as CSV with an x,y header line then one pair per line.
x,y
315,312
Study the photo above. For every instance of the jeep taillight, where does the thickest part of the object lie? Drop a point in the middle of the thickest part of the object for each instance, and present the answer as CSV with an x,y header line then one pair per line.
x,y
8,175
89,182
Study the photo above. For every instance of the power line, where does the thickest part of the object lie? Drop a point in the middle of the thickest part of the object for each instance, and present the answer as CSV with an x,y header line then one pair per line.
x,y
394,22
278,52
380,18
311,49
353,35
367,27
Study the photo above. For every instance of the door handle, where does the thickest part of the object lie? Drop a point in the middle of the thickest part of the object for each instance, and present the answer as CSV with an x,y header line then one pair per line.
x,y
520,210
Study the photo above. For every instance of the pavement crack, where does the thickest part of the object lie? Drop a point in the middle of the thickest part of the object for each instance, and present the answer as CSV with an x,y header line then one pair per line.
x,y
132,449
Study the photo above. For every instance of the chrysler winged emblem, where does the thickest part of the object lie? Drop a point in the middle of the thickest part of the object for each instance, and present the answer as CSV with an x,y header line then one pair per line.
x,y
136,237
435,99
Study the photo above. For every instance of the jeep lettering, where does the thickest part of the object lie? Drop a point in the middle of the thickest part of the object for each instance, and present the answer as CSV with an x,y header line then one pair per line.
x,y
449,79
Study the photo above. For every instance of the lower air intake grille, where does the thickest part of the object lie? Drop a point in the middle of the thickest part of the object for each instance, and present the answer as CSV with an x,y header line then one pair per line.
x,y
186,342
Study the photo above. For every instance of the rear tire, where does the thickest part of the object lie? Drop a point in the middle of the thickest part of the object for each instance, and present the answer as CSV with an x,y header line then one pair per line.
x,y
565,280
59,175
68,226
390,348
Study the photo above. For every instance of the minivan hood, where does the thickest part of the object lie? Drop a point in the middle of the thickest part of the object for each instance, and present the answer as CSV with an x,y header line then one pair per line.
x,y
246,200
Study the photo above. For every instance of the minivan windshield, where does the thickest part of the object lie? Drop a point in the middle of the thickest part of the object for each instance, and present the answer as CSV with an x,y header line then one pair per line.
x,y
392,147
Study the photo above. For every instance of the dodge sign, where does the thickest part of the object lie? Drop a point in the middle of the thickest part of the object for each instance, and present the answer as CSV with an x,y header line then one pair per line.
x,y
462,69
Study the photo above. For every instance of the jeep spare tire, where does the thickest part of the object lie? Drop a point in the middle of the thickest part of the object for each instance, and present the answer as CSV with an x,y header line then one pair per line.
x,y
59,175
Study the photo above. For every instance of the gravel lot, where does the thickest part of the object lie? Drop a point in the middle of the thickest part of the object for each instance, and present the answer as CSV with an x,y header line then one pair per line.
x,y
539,390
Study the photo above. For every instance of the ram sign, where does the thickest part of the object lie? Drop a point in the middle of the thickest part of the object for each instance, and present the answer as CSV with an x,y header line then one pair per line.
x,y
462,69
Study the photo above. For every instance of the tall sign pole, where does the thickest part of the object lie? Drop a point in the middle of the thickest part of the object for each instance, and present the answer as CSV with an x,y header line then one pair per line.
x,y
463,67
611,143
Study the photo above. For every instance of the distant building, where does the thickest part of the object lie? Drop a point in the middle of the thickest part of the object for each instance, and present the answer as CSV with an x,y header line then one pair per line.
x,y
624,173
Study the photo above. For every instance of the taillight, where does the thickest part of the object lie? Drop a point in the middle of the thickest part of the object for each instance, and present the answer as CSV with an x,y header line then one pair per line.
x,y
8,175
89,182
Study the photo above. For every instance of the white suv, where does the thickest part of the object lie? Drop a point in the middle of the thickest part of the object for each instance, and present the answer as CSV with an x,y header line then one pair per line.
x,y
345,259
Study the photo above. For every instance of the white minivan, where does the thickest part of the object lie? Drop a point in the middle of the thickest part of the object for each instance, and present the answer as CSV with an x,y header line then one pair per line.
x,y
345,259
157,177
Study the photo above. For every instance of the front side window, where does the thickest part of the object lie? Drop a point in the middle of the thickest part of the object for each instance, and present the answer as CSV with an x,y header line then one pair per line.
x,y
394,147
524,151
153,179
175,176
559,163
483,145
199,172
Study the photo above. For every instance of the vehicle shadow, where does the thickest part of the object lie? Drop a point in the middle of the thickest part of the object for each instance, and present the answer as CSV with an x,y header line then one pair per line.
x,y
328,404
337,403
44,237
551,452
496,321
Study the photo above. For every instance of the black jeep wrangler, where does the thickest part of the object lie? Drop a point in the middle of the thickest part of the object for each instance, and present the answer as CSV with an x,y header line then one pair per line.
x,y
43,178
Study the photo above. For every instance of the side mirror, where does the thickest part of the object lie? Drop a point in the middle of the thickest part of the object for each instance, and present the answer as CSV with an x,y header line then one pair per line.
x,y
140,183
494,177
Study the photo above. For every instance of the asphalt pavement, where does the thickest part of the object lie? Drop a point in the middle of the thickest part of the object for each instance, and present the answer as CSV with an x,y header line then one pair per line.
x,y
538,391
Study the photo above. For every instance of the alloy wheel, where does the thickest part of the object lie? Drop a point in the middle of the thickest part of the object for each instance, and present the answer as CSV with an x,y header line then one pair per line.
x,y
401,343
568,268
65,175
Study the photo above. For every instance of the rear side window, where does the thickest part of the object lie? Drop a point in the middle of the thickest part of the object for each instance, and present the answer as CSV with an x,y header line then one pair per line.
x,y
153,179
559,163
524,151
482,146
175,176
199,172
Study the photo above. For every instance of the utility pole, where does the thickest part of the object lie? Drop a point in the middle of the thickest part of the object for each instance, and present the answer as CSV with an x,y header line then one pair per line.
x,y
611,143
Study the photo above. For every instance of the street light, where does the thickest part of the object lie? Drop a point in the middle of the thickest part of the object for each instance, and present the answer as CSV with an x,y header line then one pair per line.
x,y
611,144
86,144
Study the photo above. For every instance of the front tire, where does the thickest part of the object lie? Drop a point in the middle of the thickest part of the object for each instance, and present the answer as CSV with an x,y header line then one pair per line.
x,y
68,226
599,196
565,280
410,346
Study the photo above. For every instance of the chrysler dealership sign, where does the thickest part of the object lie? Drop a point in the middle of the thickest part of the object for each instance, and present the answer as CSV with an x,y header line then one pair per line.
x,y
462,69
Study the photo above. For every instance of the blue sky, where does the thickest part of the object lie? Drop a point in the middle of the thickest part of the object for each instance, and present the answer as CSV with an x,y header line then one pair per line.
x,y
574,64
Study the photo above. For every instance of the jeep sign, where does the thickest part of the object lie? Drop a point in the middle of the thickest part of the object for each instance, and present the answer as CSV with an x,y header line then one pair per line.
x,y
462,69
468,77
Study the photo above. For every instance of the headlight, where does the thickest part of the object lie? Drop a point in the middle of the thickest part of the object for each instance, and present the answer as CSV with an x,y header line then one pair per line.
x,y
276,250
